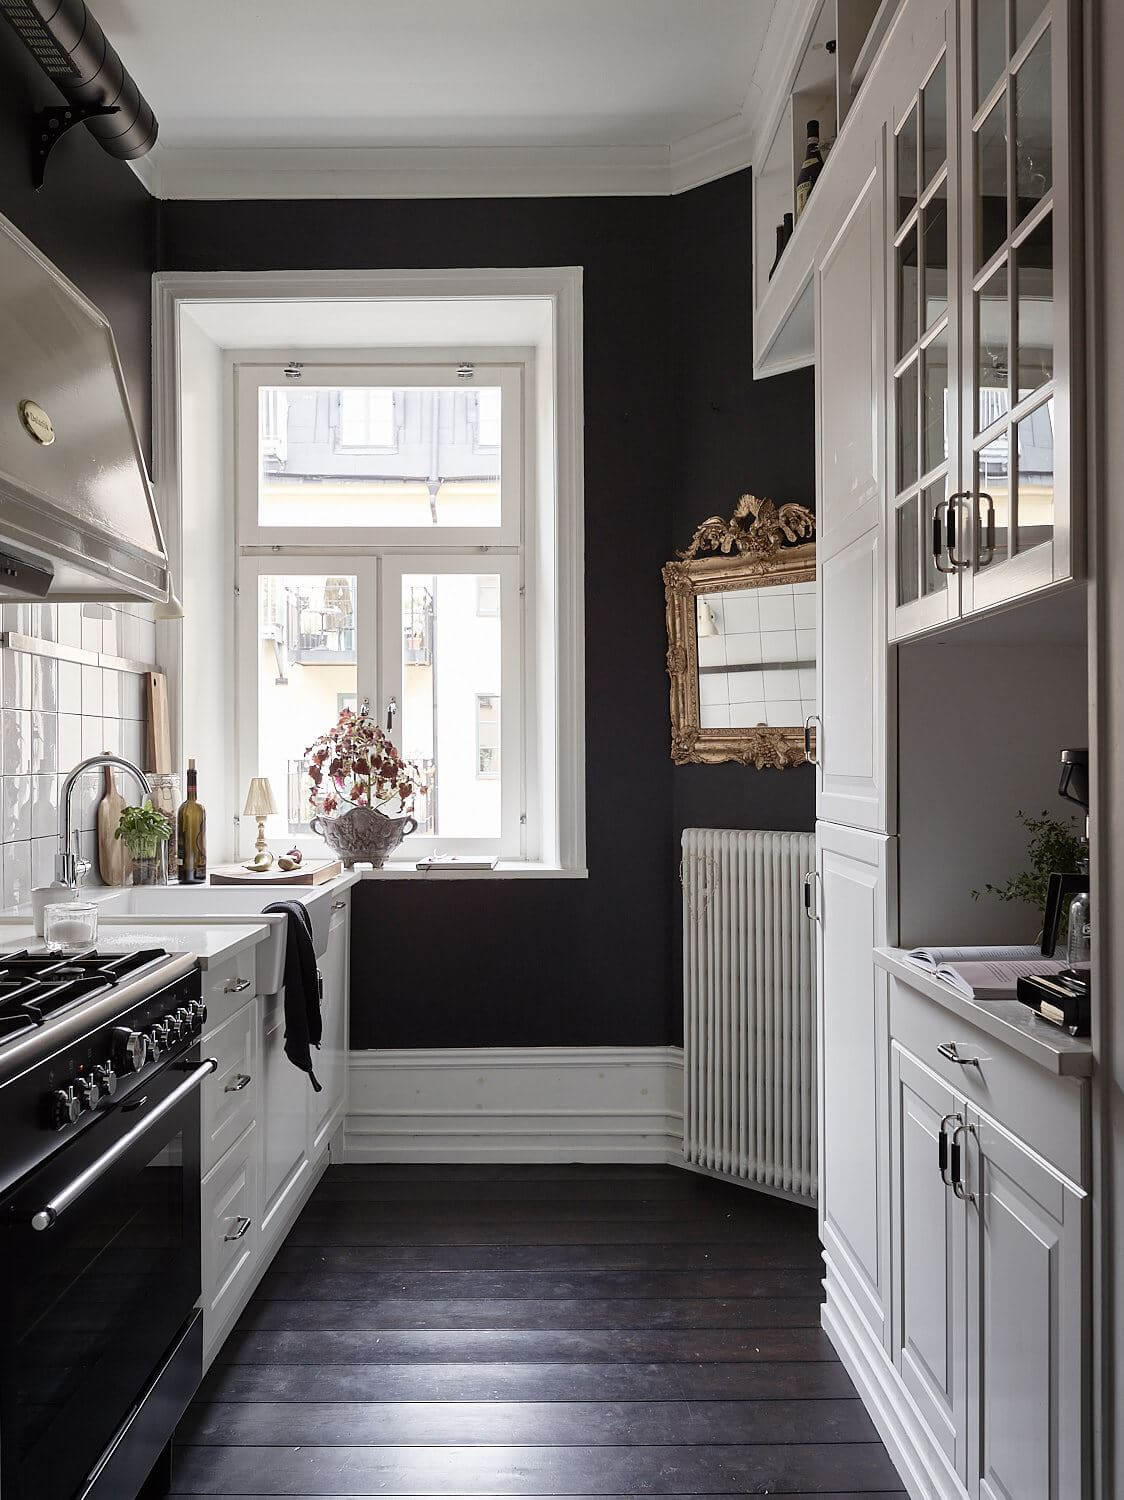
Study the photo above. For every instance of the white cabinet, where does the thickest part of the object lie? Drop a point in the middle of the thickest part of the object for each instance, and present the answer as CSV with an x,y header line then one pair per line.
x,y
229,1097
231,1217
285,1094
855,876
327,1108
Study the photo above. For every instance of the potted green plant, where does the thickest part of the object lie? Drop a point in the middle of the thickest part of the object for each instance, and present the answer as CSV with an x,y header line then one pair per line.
x,y
145,833
1053,844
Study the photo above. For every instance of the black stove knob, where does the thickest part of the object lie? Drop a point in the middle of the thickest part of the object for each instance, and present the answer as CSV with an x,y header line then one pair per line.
x,y
157,1040
88,1091
107,1079
199,1011
172,1027
65,1108
130,1049
188,1024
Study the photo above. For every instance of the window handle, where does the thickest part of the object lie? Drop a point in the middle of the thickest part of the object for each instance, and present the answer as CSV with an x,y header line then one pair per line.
x,y
391,710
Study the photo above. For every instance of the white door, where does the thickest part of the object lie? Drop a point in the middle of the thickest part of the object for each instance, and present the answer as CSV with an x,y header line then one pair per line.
x,y
285,1094
855,878
1027,1313
1021,306
330,1061
854,763
850,384
929,1149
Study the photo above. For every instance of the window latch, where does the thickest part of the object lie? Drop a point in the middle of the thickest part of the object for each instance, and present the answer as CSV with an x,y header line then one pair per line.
x,y
466,371
391,710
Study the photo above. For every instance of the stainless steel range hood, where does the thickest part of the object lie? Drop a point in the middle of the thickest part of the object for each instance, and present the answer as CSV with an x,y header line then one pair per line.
x,y
77,517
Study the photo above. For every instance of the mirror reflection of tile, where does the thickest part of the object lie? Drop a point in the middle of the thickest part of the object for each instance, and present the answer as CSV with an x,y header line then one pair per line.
x,y
757,656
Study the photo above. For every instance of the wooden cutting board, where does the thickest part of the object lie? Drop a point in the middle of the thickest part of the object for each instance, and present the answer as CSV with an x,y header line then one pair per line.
x,y
113,857
309,873
159,725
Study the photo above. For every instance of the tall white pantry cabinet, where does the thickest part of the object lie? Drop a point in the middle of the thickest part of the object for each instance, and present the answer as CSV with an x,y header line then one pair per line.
x,y
942,258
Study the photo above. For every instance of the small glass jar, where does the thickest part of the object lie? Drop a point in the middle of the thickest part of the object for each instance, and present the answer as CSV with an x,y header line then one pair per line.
x,y
69,926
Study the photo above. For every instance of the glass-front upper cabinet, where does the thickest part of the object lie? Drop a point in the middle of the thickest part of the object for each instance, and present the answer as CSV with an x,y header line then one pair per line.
x,y
1018,241
923,327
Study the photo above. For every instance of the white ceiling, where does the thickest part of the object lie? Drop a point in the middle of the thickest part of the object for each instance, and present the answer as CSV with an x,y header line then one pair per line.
x,y
261,97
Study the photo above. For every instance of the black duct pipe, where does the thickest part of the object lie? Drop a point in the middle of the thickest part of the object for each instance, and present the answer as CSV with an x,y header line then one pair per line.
x,y
72,49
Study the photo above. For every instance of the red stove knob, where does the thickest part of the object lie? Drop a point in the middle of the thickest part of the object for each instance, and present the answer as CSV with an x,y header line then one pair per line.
x,y
65,1108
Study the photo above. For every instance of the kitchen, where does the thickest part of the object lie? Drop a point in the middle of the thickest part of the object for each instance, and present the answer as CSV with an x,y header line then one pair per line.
x,y
353,407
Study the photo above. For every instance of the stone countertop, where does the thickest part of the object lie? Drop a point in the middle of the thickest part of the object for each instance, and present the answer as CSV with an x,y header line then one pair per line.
x,y
1008,1021
209,944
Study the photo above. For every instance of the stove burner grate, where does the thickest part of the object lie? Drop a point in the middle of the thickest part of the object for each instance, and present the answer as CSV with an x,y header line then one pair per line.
x,y
35,986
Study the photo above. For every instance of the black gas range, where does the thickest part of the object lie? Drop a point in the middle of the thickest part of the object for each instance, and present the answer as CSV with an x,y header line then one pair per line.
x,y
101,1344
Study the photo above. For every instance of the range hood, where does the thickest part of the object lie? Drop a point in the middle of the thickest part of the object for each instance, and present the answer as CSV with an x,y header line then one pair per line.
x,y
77,516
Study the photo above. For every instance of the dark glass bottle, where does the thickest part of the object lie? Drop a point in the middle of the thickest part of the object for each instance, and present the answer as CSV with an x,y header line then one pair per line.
x,y
811,168
784,234
191,835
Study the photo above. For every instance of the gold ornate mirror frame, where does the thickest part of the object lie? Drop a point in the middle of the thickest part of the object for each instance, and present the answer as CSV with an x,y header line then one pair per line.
x,y
760,545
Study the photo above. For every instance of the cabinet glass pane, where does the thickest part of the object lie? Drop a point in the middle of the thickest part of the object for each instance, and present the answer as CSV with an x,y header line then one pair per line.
x,y
907,165
907,550
1026,13
935,403
933,580
1034,269
907,426
907,292
934,233
991,45
934,118
1034,163
1035,438
993,478
991,180
993,320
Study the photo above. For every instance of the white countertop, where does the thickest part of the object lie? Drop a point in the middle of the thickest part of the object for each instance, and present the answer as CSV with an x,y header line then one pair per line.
x,y
1008,1021
208,943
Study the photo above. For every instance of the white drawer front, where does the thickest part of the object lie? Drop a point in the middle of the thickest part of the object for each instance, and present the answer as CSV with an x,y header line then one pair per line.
x,y
231,1094
231,1217
227,986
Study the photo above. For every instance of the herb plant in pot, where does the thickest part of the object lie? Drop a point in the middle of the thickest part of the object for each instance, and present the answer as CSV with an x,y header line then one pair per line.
x,y
356,771
145,833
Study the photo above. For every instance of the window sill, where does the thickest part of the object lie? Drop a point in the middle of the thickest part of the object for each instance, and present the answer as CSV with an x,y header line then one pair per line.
x,y
513,869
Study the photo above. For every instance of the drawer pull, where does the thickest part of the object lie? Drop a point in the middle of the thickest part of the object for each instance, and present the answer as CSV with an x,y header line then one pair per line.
x,y
948,1049
242,1226
237,1083
338,905
235,986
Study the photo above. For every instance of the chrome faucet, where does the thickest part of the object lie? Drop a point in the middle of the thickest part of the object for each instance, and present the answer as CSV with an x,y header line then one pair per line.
x,y
69,867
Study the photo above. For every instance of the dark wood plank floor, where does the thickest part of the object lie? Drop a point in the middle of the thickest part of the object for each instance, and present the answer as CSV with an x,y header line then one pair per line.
x,y
576,1331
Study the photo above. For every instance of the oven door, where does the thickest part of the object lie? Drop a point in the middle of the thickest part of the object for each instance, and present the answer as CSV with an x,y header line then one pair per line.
x,y
99,1264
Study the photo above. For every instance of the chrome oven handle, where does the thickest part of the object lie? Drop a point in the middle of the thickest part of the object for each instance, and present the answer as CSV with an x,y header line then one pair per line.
x,y
49,1215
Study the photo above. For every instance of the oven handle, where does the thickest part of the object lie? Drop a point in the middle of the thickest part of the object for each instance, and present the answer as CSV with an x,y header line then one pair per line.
x,y
49,1215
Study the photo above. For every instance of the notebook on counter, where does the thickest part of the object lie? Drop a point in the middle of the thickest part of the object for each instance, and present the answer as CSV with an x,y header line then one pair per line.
x,y
982,973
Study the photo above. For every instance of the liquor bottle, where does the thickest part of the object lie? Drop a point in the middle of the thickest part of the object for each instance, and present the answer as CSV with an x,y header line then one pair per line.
x,y
811,168
784,234
191,835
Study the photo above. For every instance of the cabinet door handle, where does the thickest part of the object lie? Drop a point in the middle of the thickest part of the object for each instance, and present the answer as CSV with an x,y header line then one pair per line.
x,y
235,986
237,1083
953,512
989,528
338,905
949,1050
243,1225
958,1186
809,900
942,1148
812,759
938,536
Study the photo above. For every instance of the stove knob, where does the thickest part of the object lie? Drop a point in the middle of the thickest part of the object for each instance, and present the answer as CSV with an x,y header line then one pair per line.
x,y
157,1040
187,1021
107,1079
65,1108
130,1049
88,1091
199,1011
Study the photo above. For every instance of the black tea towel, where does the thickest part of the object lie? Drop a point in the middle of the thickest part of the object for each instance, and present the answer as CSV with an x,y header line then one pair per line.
x,y
303,1024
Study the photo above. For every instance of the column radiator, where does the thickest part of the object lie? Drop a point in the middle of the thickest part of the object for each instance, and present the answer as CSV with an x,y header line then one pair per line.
x,y
749,1008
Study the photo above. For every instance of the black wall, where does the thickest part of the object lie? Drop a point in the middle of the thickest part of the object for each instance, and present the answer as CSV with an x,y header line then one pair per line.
x,y
92,217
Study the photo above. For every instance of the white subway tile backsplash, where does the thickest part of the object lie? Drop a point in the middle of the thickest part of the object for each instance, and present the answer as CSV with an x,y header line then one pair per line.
x,y
44,806
109,633
132,741
134,703
43,860
45,683
91,691
70,741
92,615
17,873
92,735
15,680
69,686
110,693
15,733
70,624
44,742
15,796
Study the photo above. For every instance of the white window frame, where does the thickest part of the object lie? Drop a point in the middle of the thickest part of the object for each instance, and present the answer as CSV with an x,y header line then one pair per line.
x,y
206,321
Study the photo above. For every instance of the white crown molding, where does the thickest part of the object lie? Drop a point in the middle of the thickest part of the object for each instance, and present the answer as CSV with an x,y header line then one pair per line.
x,y
789,29
512,1104
709,154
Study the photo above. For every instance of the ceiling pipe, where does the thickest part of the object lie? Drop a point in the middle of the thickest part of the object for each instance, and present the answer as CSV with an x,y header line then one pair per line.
x,y
71,48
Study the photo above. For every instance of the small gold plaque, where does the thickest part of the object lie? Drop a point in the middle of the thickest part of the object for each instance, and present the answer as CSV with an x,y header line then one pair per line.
x,y
37,422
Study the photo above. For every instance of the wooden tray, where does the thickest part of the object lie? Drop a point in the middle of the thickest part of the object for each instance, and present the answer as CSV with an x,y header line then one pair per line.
x,y
312,872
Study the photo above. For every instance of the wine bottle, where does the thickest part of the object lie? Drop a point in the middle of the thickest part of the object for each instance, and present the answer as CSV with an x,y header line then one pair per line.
x,y
811,168
191,834
784,234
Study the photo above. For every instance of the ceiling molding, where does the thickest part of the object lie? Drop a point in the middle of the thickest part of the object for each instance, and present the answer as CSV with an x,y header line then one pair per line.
x,y
789,29
710,154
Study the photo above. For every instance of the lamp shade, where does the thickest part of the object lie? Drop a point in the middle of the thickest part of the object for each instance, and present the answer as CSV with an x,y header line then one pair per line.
x,y
259,799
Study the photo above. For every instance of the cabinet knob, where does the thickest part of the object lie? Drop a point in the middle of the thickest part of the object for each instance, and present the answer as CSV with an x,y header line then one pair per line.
x,y
237,1083
235,986
241,1225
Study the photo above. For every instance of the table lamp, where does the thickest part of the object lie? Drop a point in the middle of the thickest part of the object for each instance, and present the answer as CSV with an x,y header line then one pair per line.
x,y
260,805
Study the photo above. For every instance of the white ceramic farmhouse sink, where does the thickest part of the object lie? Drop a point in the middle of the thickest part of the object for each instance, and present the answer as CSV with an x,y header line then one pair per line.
x,y
205,903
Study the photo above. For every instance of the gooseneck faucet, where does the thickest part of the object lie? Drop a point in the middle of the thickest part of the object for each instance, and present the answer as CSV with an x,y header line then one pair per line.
x,y
69,867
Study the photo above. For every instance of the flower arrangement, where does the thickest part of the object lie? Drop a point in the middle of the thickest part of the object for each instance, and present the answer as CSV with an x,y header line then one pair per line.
x,y
357,765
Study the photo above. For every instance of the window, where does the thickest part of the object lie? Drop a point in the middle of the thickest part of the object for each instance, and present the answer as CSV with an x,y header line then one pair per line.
x,y
381,558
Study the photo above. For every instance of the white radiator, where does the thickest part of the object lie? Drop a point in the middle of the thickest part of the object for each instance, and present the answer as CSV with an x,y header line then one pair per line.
x,y
749,1008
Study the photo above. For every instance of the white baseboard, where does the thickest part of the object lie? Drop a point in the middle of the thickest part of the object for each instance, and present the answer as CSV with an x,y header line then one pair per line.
x,y
923,1468
516,1104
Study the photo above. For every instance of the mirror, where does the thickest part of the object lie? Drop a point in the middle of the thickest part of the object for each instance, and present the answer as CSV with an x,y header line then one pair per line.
x,y
742,637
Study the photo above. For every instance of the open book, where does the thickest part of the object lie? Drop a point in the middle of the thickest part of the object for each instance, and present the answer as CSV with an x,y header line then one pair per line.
x,y
982,973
